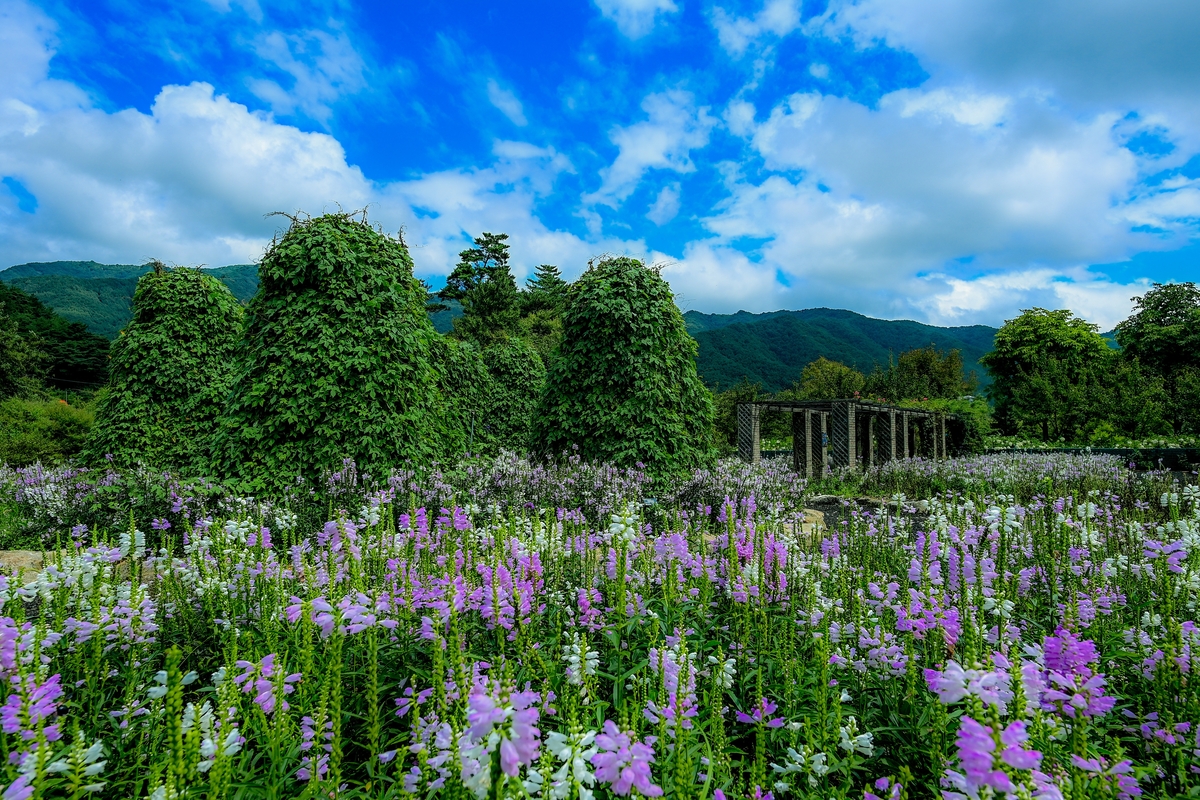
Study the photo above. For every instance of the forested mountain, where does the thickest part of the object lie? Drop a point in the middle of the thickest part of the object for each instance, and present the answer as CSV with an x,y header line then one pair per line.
x,y
74,357
100,295
773,348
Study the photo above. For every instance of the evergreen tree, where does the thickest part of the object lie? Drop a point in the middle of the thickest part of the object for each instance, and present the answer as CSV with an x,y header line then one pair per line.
x,y
623,385
546,290
337,361
170,370
487,290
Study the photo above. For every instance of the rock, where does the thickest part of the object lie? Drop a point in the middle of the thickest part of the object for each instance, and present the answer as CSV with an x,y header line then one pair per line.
x,y
13,562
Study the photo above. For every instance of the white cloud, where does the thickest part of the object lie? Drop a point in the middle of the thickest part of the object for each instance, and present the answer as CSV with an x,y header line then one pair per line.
x,y
506,102
666,206
736,33
190,181
664,140
323,65
818,70
635,18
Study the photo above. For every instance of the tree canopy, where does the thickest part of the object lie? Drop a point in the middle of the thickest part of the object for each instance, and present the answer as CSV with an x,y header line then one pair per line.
x,y
484,285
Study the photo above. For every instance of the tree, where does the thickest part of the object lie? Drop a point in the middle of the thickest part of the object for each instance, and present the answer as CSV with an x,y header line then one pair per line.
x,y
828,380
546,290
21,362
337,361
171,368
487,290
923,373
1047,370
1163,334
623,386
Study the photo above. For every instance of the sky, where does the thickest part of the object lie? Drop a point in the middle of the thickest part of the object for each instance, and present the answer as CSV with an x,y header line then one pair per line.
x,y
949,161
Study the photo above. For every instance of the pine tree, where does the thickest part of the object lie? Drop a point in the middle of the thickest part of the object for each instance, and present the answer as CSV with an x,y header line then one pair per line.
x,y
487,290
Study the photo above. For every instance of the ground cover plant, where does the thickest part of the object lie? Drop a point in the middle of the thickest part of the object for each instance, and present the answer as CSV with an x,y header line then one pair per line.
x,y
567,629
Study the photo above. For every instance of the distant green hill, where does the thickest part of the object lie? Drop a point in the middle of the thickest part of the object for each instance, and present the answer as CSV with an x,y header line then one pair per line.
x,y
100,295
773,348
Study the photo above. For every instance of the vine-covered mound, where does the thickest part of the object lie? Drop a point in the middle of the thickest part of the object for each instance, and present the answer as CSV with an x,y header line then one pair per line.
x,y
517,374
622,386
170,370
336,360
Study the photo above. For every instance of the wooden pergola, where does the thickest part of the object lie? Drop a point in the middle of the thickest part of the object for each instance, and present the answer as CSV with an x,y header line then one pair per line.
x,y
828,434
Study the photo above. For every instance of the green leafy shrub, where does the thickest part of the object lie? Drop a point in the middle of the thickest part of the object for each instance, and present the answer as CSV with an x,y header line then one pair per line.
x,y
21,362
170,370
46,431
517,375
466,385
336,361
622,385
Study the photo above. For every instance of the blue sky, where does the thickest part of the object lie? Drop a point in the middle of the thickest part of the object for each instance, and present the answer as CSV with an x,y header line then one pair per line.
x,y
941,160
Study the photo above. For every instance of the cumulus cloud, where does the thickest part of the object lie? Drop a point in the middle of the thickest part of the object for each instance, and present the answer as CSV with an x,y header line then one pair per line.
x,y
673,127
635,18
506,102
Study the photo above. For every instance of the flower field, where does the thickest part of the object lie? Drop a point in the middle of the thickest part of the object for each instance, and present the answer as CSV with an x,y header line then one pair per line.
x,y
1010,626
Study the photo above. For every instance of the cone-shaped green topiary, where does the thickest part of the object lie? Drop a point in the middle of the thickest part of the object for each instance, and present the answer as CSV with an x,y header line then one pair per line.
x,y
622,385
170,369
517,376
336,361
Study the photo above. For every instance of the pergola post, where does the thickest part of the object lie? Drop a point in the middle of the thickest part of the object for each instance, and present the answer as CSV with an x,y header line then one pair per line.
x,y
844,434
802,441
749,442
906,433
887,435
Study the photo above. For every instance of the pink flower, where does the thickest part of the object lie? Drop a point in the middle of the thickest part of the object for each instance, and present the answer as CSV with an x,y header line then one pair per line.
x,y
624,763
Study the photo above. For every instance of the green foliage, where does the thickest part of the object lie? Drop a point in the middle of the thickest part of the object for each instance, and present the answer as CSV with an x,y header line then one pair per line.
x,y
542,329
545,291
1046,370
925,372
516,376
21,362
773,348
74,357
45,431
1163,334
725,414
337,361
828,380
171,369
622,386
487,290
465,384
974,415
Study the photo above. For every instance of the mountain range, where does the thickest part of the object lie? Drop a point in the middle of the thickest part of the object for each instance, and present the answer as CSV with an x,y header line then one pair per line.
x,y
770,348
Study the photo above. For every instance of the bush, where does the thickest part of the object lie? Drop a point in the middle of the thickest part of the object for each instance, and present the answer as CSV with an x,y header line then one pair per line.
x,y
337,361
465,384
622,385
46,431
517,375
170,369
